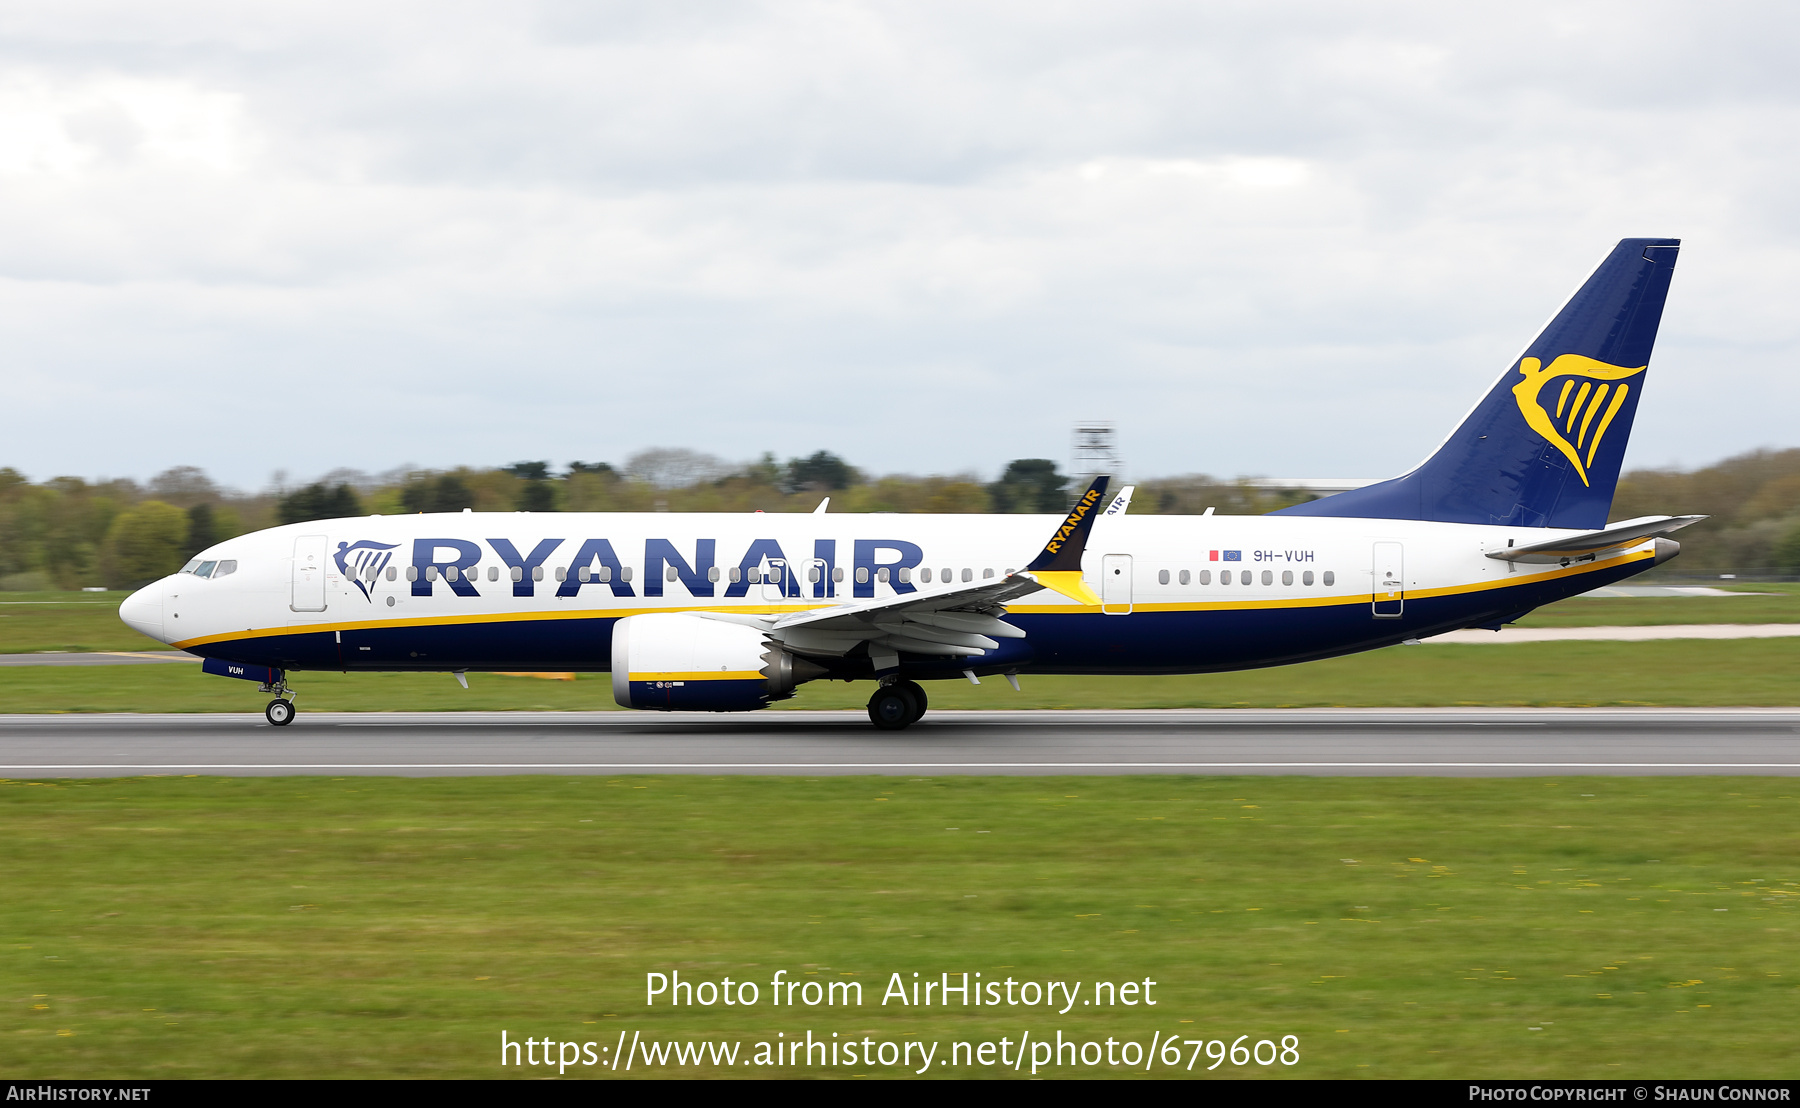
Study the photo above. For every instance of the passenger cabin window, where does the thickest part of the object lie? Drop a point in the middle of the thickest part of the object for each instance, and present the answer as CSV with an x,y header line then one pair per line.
x,y
814,575
1162,576
1306,578
1184,576
561,573
905,575
862,575
838,575
494,573
1330,578
584,574
391,574
734,575
968,575
1224,577
1244,577
518,573
882,575
712,573
606,574
1268,577
986,573
412,573
1206,577
1287,576
925,575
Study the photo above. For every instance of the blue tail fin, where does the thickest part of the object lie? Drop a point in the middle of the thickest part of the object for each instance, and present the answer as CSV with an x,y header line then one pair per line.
x,y
1543,448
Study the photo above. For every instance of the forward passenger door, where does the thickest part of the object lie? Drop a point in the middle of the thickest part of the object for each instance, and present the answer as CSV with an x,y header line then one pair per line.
x,y
309,574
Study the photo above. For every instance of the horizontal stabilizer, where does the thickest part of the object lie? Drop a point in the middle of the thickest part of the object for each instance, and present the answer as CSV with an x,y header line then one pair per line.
x,y
1594,543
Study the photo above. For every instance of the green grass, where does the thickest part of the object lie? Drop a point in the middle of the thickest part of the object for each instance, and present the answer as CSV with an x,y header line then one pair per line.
x,y
305,927
1769,603
1675,672
34,621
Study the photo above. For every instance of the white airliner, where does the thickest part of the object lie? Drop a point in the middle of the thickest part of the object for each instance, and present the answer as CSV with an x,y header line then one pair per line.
x,y
717,612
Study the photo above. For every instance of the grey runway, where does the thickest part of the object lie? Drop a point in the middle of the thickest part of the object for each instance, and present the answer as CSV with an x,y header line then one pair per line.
x,y
1359,742
99,658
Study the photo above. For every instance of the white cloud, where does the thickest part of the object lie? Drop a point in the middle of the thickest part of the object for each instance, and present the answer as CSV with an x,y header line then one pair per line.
x,y
1263,238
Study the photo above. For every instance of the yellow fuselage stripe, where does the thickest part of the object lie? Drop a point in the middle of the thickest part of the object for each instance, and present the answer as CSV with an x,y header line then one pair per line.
x,y
701,675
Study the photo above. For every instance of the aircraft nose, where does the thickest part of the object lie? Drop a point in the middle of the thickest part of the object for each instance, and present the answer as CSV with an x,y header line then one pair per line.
x,y
143,611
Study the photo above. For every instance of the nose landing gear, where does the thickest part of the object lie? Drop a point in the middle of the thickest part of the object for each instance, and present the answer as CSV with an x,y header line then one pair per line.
x,y
280,711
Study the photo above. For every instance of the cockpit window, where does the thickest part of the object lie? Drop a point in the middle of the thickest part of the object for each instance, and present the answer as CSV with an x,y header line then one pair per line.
x,y
191,566
229,565
205,570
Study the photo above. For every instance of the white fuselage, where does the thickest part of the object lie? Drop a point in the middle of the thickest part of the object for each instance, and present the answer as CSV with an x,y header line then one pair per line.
x,y
1182,593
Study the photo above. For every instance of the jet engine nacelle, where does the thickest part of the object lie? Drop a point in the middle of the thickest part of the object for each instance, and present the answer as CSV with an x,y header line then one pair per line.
x,y
688,663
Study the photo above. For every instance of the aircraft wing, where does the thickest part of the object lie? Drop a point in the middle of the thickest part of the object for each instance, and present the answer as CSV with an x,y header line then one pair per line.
x,y
1593,543
959,621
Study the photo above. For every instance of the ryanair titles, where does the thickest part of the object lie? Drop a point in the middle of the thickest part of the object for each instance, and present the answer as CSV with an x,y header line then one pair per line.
x,y
569,565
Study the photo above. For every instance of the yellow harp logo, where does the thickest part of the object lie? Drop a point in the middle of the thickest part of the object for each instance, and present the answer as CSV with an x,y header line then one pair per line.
x,y
1572,424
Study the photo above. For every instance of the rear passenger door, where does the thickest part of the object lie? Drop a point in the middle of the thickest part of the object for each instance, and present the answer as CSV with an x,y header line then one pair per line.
x,y
1388,599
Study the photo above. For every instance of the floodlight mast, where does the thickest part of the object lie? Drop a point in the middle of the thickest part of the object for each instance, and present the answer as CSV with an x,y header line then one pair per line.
x,y
1095,450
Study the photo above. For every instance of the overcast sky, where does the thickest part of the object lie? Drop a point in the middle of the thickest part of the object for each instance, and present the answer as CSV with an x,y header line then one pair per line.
x,y
1278,239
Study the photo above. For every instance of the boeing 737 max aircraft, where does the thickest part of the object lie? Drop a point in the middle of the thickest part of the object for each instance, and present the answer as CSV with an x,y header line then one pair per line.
x,y
715,612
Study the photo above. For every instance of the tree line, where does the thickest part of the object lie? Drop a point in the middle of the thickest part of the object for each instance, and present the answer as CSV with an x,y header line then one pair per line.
x,y
68,533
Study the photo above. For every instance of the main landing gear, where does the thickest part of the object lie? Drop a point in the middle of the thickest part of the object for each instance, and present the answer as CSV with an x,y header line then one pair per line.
x,y
897,705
